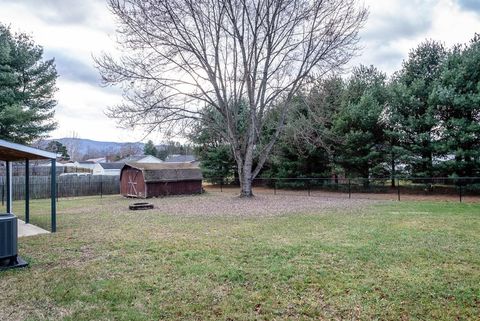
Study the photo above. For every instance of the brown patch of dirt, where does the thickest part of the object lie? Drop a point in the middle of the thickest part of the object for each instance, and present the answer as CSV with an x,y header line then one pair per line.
x,y
228,203
340,195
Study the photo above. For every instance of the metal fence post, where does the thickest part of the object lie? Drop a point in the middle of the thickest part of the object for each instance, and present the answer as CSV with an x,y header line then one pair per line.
x,y
101,186
308,186
349,188
398,189
274,187
221,184
460,191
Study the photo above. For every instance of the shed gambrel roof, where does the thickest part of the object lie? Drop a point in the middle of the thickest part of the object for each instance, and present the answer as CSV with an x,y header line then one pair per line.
x,y
167,172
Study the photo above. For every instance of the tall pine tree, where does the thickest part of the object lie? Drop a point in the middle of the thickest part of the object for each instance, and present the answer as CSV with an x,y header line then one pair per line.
x,y
411,109
150,149
457,96
305,148
359,124
27,87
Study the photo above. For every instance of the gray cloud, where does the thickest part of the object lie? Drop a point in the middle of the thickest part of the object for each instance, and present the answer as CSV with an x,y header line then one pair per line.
x,y
389,25
415,18
73,69
388,59
62,12
392,28
473,5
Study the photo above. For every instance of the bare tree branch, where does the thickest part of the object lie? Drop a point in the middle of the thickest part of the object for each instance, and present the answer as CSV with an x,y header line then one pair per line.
x,y
181,55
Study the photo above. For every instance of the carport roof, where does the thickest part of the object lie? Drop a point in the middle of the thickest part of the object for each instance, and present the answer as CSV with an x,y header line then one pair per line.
x,y
15,152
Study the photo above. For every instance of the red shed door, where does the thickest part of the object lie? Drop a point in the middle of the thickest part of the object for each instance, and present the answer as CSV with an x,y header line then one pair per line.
x,y
132,188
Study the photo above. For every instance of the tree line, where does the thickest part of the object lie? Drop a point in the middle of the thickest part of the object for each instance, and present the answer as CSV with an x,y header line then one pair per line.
x,y
166,149
423,121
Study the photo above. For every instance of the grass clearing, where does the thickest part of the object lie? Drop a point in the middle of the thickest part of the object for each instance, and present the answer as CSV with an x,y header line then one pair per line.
x,y
350,261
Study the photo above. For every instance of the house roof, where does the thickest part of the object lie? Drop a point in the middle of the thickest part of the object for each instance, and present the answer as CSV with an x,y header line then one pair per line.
x,y
96,160
49,163
14,152
140,159
131,159
111,165
167,172
180,159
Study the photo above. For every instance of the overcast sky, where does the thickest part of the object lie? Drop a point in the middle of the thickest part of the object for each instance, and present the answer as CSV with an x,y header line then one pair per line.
x,y
72,31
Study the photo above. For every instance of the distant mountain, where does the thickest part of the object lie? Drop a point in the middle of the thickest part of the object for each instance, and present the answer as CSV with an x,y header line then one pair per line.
x,y
80,148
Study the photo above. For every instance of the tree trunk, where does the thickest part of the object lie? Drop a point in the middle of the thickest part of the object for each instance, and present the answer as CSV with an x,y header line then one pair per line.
x,y
246,188
392,172
246,173
366,177
427,165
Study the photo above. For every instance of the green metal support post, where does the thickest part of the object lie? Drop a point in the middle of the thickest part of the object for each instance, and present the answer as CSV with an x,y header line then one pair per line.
x,y
9,197
27,191
53,190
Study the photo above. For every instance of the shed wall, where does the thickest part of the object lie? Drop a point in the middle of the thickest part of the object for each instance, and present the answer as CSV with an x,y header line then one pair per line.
x,y
155,189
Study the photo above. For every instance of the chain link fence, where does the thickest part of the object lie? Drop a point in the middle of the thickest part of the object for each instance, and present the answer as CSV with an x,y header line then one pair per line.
x,y
408,188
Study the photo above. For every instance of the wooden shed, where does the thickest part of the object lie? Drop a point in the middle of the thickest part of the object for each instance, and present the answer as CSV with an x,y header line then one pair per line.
x,y
145,180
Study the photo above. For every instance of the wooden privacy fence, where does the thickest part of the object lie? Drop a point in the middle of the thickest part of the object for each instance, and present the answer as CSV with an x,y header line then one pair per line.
x,y
67,186
35,170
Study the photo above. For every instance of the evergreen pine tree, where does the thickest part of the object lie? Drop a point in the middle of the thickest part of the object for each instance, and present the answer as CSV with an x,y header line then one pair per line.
x,y
411,110
150,149
27,87
458,103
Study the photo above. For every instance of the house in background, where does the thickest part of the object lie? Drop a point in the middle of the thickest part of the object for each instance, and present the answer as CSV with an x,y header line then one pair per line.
x,y
48,164
181,159
112,169
143,159
85,164
69,164
97,160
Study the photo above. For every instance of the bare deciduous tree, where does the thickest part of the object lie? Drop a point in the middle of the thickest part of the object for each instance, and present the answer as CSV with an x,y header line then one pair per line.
x,y
182,55
72,144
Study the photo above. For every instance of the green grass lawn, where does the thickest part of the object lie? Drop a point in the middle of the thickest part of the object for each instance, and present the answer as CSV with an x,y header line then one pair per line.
x,y
386,261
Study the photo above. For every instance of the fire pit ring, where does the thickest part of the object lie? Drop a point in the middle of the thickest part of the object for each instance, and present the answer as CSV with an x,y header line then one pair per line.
x,y
140,206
